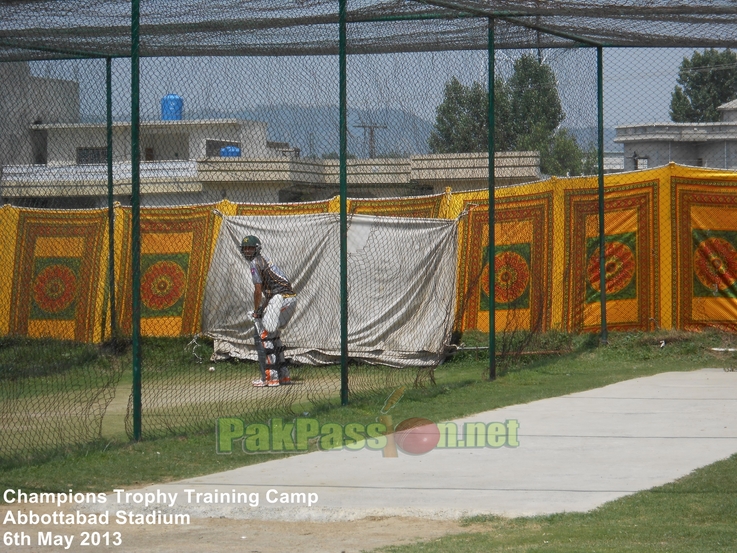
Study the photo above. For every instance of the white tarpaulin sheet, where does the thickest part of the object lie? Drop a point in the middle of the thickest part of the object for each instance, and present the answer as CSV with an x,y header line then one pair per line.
x,y
401,287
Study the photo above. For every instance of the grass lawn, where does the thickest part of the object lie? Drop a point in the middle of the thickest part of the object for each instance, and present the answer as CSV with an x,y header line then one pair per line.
x,y
697,514
462,389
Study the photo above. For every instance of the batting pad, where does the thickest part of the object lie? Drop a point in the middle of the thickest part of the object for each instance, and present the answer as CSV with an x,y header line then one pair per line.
x,y
401,287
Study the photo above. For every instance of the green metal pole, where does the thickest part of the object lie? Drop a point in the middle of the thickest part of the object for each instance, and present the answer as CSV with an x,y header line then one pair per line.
x,y
342,16
602,253
492,237
110,210
136,218
492,188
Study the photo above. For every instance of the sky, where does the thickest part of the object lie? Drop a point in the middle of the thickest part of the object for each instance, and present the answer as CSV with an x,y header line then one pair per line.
x,y
638,83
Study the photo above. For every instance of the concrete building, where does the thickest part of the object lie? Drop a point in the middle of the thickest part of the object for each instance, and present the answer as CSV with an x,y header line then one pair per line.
x,y
279,180
182,164
26,103
613,162
698,144
52,159
71,168
171,140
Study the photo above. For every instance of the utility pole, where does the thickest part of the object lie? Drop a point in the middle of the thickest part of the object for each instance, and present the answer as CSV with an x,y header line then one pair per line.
x,y
372,139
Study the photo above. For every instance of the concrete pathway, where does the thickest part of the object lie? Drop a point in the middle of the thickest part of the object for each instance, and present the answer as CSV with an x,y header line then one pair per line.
x,y
575,453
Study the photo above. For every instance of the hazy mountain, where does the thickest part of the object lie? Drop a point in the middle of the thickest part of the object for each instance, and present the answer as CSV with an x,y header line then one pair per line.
x,y
315,130
398,133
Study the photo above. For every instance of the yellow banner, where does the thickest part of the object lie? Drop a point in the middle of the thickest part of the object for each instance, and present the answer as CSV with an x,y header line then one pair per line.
x,y
176,247
58,264
670,257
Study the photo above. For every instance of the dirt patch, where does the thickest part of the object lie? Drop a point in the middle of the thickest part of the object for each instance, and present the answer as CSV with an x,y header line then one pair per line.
x,y
249,536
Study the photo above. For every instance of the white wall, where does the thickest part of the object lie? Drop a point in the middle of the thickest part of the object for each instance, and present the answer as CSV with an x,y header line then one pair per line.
x,y
174,145
176,141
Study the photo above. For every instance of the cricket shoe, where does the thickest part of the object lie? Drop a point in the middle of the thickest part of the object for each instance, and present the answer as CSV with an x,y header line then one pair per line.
x,y
286,381
263,384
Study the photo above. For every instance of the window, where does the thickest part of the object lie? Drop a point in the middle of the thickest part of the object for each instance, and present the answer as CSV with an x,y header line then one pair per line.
x,y
641,163
91,156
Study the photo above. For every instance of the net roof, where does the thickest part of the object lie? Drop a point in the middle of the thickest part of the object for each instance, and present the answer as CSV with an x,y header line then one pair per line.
x,y
48,29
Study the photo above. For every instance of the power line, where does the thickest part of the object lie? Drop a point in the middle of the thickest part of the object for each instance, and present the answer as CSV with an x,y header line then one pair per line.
x,y
372,139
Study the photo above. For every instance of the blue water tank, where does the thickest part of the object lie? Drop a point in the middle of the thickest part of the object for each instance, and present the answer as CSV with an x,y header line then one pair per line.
x,y
172,107
230,151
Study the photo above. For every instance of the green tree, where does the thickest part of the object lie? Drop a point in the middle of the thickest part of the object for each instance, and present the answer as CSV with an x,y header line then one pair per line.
x,y
562,156
536,117
590,160
535,104
705,81
559,151
527,112
461,124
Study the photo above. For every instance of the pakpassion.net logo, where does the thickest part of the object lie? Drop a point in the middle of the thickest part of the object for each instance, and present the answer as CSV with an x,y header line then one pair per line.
x,y
414,436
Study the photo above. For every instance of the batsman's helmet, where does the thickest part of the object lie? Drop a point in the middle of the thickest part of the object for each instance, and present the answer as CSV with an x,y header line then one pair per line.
x,y
250,247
